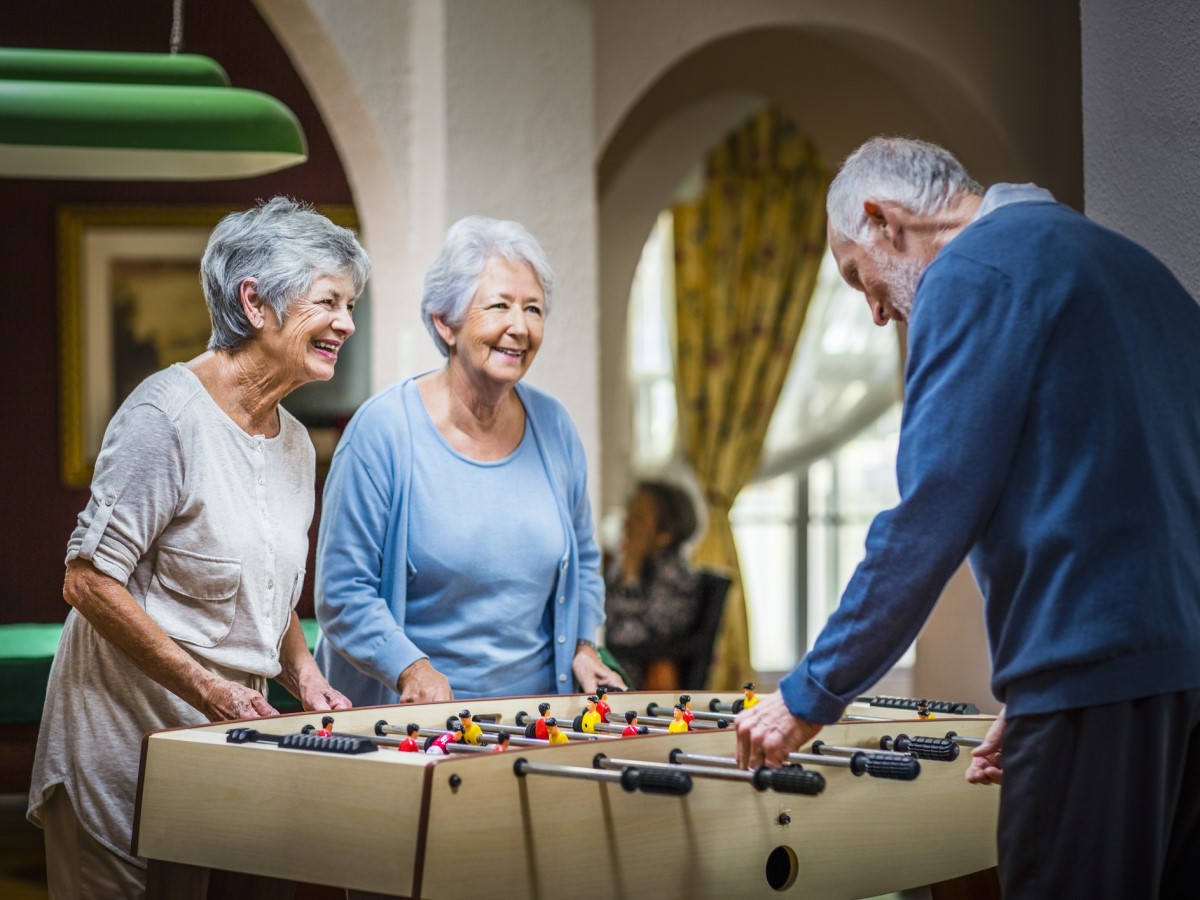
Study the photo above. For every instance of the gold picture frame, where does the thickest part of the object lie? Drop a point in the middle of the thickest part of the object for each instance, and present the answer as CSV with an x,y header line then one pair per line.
x,y
130,303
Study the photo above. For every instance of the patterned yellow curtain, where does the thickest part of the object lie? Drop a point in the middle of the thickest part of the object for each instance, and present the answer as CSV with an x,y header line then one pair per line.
x,y
746,259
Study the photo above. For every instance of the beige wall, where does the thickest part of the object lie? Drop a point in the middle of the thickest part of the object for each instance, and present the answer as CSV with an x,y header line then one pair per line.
x,y
580,119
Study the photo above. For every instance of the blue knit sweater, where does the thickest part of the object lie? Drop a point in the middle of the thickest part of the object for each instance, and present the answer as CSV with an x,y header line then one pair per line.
x,y
1052,431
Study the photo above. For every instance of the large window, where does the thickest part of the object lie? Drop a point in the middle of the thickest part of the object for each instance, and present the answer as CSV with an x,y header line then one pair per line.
x,y
829,459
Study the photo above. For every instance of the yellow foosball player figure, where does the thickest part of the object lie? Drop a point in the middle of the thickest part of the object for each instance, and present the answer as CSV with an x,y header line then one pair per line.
x,y
591,718
553,734
471,732
750,698
923,710
501,742
679,723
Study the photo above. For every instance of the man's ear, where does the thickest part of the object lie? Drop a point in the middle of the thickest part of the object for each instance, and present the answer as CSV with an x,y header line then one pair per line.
x,y
444,330
886,217
252,302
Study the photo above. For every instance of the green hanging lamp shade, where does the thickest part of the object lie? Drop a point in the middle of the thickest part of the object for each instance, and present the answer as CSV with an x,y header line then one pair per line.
x,y
136,116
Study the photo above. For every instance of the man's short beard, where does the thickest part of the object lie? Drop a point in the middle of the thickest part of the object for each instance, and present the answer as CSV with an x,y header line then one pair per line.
x,y
901,274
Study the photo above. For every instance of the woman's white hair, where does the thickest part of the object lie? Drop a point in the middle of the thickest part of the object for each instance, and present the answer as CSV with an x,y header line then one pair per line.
x,y
922,177
453,278
284,245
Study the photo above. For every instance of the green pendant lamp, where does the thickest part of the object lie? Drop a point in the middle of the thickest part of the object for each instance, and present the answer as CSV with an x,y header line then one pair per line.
x,y
136,117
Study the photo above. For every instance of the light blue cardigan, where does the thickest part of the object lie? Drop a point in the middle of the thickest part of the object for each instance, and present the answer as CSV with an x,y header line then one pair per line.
x,y
362,546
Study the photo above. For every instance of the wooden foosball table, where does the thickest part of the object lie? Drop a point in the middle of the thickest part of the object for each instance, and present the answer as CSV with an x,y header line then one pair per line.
x,y
877,804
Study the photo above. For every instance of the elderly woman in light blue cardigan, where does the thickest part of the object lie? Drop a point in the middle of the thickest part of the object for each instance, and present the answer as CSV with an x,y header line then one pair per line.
x,y
456,554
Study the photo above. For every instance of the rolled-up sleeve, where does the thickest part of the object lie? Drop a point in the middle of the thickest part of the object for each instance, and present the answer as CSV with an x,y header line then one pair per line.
x,y
135,491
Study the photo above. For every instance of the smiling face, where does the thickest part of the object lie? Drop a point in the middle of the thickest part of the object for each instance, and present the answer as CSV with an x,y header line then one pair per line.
x,y
305,347
502,329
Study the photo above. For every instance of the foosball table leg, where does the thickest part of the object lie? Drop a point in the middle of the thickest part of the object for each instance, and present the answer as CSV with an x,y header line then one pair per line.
x,y
982,885
166,880
178,881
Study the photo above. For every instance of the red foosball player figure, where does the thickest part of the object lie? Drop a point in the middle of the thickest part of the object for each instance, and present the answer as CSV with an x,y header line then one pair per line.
x,y
326,729
631,725
750,697
553,734
923,710
602,706
539,727
591,718
501,742
679,723
409,744
471,731
442,741
685,700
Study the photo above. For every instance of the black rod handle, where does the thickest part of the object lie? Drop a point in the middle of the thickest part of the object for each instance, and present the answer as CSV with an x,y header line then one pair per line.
x,y
789,780
935,748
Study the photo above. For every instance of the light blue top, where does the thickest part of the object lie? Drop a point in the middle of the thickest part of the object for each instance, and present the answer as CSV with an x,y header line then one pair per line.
x,y
467,584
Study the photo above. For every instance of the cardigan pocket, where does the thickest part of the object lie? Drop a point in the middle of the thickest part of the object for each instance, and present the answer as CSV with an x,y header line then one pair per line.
x,y
193,597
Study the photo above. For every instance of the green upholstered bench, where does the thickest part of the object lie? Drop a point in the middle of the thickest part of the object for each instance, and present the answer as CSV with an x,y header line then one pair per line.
x,y
27,649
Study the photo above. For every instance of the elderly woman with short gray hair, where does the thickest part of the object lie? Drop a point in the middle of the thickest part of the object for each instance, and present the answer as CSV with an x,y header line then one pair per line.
x,y
186,565
456,555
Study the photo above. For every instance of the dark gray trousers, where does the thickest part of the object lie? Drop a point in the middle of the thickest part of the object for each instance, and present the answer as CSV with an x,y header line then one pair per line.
x,y
1103,802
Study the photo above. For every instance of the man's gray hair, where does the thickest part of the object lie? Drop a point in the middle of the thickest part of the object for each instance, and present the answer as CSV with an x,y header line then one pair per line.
x,y
453,278
284,245
922,177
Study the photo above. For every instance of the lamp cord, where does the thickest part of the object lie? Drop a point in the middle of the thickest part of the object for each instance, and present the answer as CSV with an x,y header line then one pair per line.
x,y
176,26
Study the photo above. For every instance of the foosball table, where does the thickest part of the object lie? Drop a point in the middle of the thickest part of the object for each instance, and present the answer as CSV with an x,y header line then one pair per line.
x,y
878,803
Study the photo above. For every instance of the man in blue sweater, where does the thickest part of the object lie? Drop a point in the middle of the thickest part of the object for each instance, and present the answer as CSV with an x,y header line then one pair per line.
x,y
1051,434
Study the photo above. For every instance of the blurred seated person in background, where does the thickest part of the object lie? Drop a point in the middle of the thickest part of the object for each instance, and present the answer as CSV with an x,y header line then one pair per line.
x,y
457,554
186,564
652,588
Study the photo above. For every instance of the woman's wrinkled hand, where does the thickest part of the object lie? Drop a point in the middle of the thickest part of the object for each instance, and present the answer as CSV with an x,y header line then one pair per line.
x,y
422,683
318,695
220,700
591,672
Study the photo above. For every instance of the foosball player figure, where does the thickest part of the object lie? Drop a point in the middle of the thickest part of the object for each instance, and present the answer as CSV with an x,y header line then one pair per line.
x,y
539,727
552,733
471,731
685,700
442,741
923,710
631,725
602,706
326,729
748,693
591,718
409,744
501,742
679,723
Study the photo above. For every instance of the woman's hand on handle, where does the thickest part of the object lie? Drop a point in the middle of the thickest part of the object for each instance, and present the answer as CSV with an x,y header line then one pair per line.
x,y
591,672
422,683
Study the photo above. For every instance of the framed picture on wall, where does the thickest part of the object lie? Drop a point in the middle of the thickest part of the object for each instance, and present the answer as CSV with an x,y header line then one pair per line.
x,y
130,303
